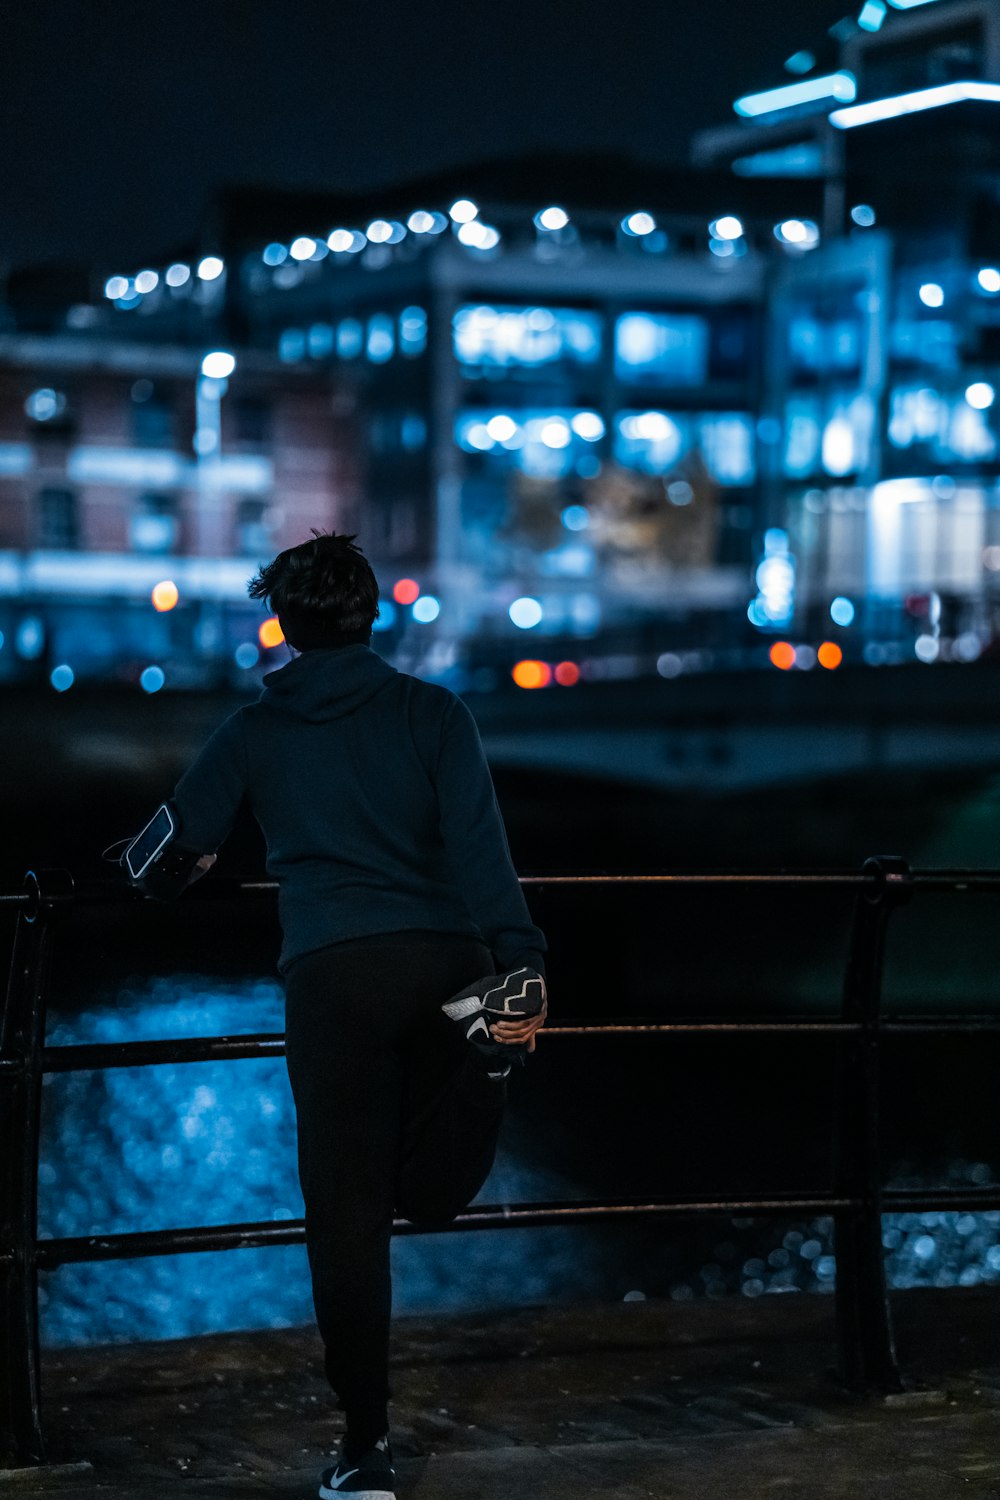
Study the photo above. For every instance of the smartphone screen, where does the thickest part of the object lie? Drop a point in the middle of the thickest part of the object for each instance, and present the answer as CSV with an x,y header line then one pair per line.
x,y
144,849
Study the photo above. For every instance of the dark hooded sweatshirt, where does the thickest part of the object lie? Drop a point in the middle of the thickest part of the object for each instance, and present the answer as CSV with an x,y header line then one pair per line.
x,y
375,799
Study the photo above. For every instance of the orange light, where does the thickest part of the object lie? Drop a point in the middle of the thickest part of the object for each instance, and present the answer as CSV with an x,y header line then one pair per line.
x,y
405,590
567,674
532,674
830,655
270,633
165,595
782,655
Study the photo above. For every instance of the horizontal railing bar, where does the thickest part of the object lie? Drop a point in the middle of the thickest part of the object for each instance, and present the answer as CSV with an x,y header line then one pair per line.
x,y
224,888
84,1056
921,1199
57,1252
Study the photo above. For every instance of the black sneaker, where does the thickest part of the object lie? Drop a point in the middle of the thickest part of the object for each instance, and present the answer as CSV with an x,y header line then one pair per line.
x,y
368,1477
497,997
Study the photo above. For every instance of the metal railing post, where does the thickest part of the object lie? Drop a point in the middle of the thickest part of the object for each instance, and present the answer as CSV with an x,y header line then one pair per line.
x,y
864,1321
22,1035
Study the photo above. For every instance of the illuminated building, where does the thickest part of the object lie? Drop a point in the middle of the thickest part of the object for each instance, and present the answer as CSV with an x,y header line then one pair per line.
x,y
773,399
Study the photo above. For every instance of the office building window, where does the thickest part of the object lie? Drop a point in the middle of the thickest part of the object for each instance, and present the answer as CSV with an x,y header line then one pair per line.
x,y
152,416
57,520
154,525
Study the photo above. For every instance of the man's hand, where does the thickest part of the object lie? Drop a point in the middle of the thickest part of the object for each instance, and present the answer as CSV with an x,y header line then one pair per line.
x,y
521,1031
203,866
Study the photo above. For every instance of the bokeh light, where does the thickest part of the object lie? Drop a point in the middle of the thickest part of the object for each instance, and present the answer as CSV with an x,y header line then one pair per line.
x,y
525,612
405,590
842,611
426,609
152,679
165,595
532,674
782,655
61,677
246,655
567,673
270,633
210,268
830,655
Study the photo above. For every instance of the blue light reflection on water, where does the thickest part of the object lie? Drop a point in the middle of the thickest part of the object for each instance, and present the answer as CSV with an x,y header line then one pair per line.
x,y
179,1145
131,1149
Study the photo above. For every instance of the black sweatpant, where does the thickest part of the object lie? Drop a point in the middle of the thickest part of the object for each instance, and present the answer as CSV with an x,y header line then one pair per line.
x,y
395,1115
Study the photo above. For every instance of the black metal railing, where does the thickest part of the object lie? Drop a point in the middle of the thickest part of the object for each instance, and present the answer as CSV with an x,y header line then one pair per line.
x,y
855,1201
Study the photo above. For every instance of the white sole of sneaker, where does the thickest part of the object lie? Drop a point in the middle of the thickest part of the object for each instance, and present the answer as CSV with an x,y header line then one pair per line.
x,y
328,1494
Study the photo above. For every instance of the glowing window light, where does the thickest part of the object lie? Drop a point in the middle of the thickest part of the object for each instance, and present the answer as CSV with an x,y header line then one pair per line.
x,y
638,224
980,394
115,287
147,281
302,247
218,365
210,268
873,13
152,679
477,436
413,330
842,86
729,227
988,280
830,655
165,595
551,218
270,633
426,609
422,222
501,428
379,231
405,590
587,425
178,274
782,655
842,611
476,235
463,211
863,215
556,433
525,613
246,655
800,62
576,518
29,641
931,294
837,447
912,103
800,232
381,342
44,404
567,673
274,254
61,677
532,674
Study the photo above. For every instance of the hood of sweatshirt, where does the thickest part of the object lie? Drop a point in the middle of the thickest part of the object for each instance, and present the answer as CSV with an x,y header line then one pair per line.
x,y
322,685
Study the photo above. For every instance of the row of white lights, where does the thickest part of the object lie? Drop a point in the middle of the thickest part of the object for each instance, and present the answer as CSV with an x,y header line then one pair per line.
x,y
463,217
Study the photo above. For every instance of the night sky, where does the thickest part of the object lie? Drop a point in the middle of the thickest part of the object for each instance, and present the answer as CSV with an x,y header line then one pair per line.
x,y
121,117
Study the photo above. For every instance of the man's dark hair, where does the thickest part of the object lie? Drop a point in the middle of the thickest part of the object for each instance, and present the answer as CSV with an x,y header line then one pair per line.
x,y
323,592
